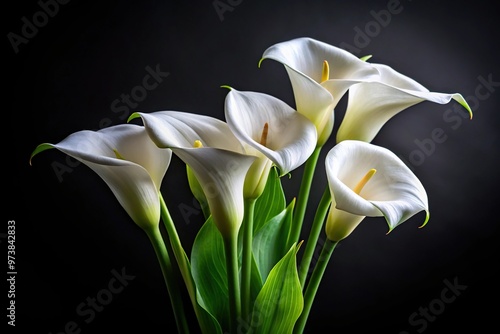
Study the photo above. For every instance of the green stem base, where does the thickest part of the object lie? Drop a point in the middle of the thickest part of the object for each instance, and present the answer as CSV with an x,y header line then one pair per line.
x,y
231,250
303,196
312,240
168,274
313,285
247,257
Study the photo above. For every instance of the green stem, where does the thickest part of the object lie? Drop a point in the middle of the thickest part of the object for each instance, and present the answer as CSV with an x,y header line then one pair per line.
x,y
231,250
246,266
168,274
179,252
303,196
313,285
182,261
312,240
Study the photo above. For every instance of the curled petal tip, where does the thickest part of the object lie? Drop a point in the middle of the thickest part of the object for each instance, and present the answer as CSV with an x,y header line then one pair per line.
x,y
427,216
466,106
463,102
133,116
260,62
365,58
227,86
470,112
38,149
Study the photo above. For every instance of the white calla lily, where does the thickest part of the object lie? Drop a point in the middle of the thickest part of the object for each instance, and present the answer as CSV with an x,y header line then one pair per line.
x,y
214,154
371,104
320,75
128,161
369,180
270,129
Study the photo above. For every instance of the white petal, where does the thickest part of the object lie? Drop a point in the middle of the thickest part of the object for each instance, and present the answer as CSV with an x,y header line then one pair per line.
x,y
306,56
219,165
291,137
303,59
311,99
134,178
134,145
371,104
221,174
394,191
134,189
182,129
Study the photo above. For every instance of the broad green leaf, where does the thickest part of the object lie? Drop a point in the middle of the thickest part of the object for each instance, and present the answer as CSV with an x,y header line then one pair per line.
x,y
207,322
270,241
208,266
272,201
280,302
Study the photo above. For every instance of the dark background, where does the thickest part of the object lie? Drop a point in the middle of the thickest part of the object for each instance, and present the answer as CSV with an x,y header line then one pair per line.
x,y
71,233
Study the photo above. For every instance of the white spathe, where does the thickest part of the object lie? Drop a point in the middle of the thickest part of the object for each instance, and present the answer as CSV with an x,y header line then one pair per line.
x,y
371,104
128,161
316,95
270,129
393,192
291,137
214,154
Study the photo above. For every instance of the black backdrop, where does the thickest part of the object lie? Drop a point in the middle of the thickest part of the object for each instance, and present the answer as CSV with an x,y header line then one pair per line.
x,y
72,237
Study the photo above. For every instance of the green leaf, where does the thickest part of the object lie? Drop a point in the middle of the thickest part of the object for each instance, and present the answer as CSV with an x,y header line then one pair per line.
x,y
270,241
255,282
280,302
207,322
208,266
271,202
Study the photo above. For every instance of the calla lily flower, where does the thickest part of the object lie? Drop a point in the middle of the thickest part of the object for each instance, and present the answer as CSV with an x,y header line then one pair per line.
x,y
371,104
128,161
213,153
271,130
320,75
369,180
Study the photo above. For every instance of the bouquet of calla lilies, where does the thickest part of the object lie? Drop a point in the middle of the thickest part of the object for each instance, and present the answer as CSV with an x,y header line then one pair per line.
x,y
243,272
